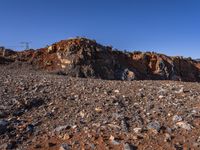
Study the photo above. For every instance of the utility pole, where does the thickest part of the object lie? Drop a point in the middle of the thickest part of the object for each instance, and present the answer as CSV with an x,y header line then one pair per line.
x,y
26,45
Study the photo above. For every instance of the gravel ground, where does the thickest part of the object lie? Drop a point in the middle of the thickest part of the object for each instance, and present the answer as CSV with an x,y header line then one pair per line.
x,y
45,111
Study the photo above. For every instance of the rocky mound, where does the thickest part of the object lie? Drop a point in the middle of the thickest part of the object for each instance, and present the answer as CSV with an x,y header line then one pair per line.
x,y
81,57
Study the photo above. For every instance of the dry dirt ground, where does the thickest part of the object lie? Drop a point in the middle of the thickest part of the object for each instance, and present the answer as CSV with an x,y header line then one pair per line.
x,y
40,110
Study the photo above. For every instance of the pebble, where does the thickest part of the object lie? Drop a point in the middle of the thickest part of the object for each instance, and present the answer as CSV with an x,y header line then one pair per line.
x,y
195,144
2,114
178,146
116,91
58,129
198,139
124,126
3,146
113,141
30,128
51,144
137,130
167,137
128,146
37,146
66,137
82,114
184,125
155,125
3,126
18,112
64,147
180,91
99,110
111,138
11,145
177,118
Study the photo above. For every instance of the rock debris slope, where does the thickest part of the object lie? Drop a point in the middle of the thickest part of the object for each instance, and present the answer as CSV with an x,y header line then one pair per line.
x,y
48,111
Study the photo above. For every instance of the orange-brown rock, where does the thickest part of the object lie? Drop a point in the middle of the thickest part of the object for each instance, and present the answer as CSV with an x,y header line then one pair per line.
x,y
81,57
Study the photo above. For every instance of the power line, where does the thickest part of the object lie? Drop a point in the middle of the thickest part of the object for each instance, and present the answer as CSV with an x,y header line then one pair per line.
x,y
26,45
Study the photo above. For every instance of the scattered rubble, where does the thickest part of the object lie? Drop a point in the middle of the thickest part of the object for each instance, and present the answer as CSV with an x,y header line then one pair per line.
x,y
48,111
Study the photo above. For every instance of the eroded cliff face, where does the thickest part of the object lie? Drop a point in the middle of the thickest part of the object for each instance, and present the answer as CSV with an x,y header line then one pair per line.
x,y
82,57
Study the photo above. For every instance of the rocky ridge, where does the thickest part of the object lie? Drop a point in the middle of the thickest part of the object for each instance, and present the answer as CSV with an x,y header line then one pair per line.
x,y
81,57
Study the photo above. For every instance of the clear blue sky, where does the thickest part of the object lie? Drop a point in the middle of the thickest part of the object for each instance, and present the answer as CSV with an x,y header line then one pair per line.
x,y
166,26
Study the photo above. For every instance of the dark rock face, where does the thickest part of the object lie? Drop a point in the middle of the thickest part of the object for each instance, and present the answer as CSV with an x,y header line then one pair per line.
x,y
82,57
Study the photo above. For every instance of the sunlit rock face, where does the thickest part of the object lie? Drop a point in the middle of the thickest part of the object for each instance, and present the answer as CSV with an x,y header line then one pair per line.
x,y
81,57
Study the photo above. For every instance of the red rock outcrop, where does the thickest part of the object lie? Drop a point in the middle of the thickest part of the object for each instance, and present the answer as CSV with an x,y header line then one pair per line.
x,y
81,57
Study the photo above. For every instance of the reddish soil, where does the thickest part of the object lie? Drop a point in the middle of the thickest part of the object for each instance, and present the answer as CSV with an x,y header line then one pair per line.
x,y
46,111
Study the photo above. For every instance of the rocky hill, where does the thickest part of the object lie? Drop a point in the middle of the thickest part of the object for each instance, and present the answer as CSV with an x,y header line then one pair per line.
x,y
81,57
48,111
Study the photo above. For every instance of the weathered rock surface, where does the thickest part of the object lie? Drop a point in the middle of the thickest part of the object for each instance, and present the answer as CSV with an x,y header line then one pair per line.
x,y
82,57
